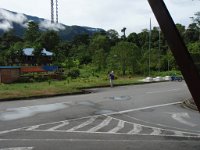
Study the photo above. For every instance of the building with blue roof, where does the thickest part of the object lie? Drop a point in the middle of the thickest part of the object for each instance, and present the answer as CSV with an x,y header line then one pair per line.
x,y
30,60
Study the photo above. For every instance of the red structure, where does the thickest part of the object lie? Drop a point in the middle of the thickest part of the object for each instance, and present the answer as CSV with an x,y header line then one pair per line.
x,y
9,74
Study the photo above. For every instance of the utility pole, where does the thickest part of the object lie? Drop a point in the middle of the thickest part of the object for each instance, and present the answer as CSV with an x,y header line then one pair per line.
x,y
150,48
159,49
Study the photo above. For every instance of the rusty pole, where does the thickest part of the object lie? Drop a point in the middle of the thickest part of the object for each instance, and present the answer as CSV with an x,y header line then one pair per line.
x,y
178,48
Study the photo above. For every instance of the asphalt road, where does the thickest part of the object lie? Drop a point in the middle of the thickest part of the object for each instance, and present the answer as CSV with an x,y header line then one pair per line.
x,y
149,116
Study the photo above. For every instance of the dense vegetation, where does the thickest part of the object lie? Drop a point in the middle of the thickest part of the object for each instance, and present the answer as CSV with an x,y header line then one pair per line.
x,y
86,55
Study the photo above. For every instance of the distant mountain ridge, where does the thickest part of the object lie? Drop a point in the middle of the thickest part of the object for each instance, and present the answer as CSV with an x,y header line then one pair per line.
x,y
19,22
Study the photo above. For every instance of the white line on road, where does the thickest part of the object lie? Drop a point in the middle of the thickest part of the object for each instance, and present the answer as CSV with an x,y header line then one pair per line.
x,y
91,120
119,112
64,123
118,127
101,125
136,129
142,108
33,128
181,117
107,140
178,133
17,148
156,131
161,125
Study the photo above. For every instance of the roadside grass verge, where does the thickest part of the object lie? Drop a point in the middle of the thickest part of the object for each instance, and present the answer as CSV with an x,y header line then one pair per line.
x,y
51,88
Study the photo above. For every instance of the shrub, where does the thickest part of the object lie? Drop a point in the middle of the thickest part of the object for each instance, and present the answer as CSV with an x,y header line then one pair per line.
x,y
74,73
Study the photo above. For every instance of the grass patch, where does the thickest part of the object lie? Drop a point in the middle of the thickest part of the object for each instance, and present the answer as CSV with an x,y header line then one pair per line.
x,y
68,86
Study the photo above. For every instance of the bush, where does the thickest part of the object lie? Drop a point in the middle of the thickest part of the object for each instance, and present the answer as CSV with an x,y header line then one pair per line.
x,y
167,73
74,73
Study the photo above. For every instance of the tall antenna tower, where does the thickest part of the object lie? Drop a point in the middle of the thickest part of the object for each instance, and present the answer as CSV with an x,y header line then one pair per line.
x,y
56,11
52,11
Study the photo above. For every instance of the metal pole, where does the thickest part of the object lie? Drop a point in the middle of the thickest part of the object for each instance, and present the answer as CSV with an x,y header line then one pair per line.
x,y
168,64
178,48
150,48
159,50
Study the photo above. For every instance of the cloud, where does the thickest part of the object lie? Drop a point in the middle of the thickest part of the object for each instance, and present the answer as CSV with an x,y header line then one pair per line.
x,y
12,17
5,25
8,18
106,14
52,26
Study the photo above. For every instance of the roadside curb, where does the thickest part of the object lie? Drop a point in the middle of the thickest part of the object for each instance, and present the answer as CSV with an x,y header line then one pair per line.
x,y
82,91
86,90
46,96
190,104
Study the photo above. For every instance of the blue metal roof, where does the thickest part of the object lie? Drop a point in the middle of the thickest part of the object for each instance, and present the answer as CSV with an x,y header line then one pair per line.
x,y
29,52
9,67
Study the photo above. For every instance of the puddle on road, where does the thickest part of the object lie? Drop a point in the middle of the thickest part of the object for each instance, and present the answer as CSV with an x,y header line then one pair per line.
x,y
23,112
120,98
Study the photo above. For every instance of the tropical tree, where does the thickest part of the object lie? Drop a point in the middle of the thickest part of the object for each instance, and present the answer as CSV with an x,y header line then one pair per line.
x,y
8,39
124,53
32,33
99,49
191,34
49,40
37,52
62,52
196,20
134,38
113,36
181,29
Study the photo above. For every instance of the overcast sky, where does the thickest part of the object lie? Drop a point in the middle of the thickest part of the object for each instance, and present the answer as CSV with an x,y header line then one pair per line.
x,y
106,14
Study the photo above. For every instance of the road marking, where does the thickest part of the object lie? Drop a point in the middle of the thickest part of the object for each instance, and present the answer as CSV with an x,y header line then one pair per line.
x,y
156,131
164,91
161,125
64,123
136,129
91,120
119,126
143,108
33,127
101,140
13,130
178,133
18,148
101,125
181,117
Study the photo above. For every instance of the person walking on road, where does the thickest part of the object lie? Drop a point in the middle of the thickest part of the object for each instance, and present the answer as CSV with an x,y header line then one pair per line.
x,y
111,77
